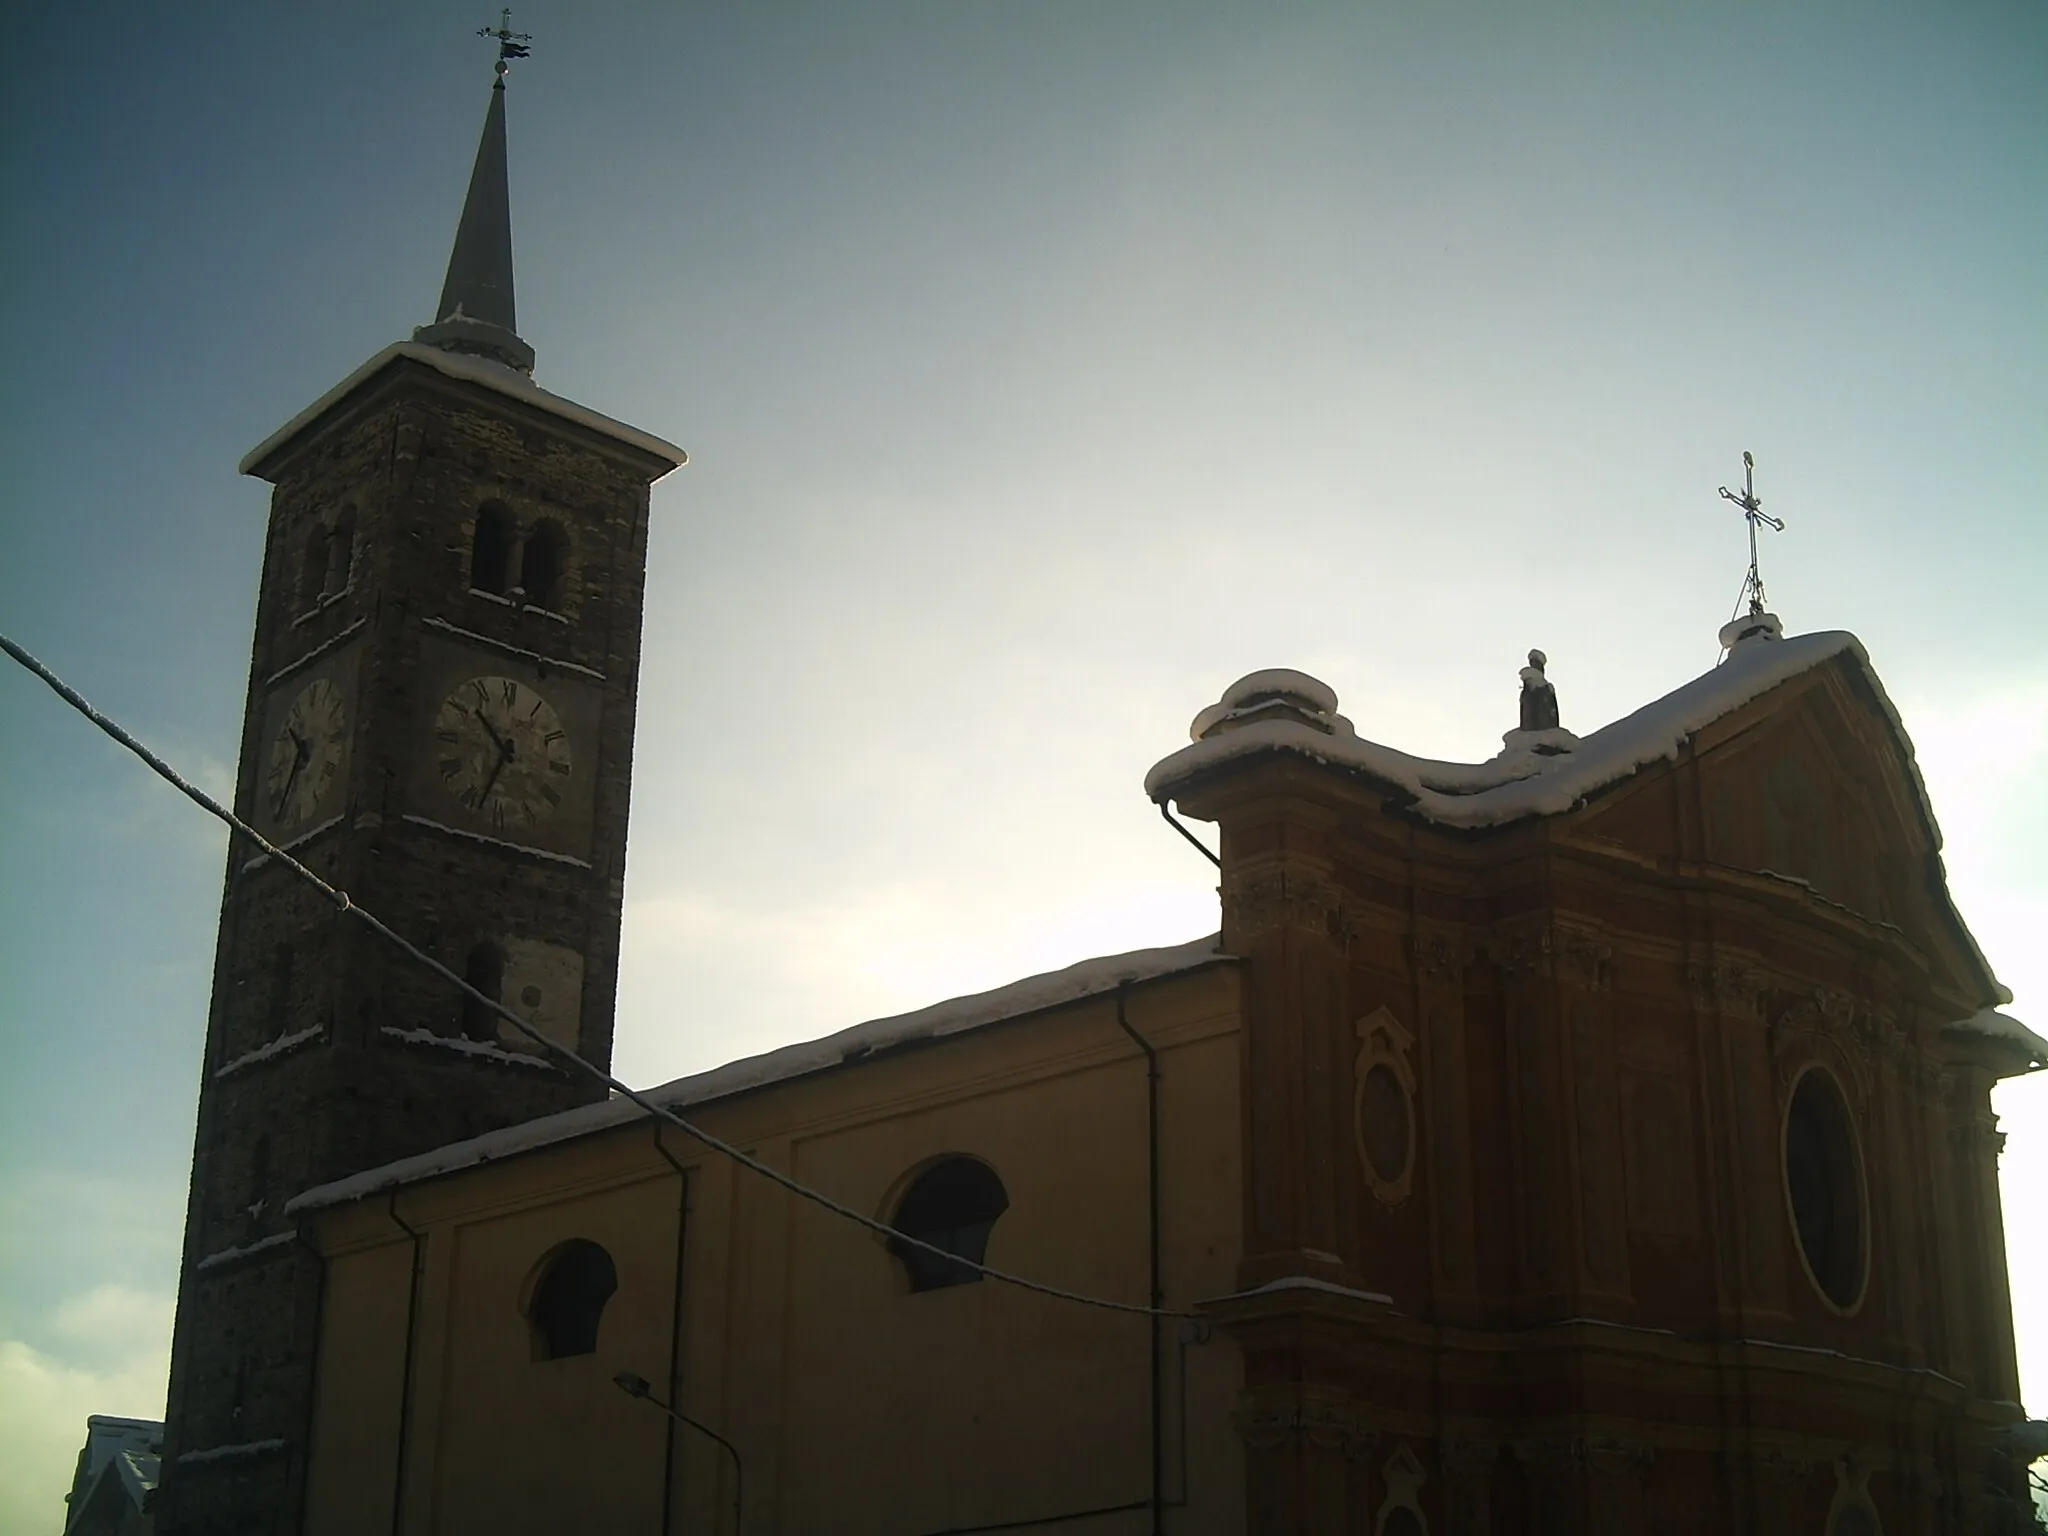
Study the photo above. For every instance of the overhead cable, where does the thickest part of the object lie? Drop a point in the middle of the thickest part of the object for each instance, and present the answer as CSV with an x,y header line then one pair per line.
x,y
341,901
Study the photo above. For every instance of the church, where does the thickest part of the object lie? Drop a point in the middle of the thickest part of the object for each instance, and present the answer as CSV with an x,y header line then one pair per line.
x,y
1593,1139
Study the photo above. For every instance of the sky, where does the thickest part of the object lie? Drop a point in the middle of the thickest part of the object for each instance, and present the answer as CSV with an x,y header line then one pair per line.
x,y
1043,368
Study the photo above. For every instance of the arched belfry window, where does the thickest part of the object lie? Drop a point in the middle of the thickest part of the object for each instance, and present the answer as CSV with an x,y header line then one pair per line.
x,y
576,1280
953,1205
484,969
490,550
542,564
313,567
341,554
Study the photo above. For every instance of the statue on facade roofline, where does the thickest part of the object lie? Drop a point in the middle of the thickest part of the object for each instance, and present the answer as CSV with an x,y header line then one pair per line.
x,y
1539,699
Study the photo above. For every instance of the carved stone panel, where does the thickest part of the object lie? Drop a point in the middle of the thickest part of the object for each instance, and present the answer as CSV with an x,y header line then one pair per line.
x,y
1263,900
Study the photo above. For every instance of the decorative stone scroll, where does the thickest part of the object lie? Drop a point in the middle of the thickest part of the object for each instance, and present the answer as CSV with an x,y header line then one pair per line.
x,y
1383,1106
1439,957
1327,1420
1726,985
1577,953
1270,899
1823,1027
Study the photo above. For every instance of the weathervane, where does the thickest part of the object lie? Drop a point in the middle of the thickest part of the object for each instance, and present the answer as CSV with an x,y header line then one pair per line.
x,y
511,45
1753,513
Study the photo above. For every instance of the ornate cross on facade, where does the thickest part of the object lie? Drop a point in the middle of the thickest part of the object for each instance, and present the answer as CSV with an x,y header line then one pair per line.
x,y
1753,513
511,45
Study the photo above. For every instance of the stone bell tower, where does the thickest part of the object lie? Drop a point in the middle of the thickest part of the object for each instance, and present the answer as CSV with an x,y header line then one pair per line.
x,y
440,721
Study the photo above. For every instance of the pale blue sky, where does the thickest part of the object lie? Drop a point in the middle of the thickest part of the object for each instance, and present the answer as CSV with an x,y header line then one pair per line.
x,y
1045,366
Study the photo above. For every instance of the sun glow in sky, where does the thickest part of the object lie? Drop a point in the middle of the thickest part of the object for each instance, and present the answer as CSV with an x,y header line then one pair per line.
x,y
1043,367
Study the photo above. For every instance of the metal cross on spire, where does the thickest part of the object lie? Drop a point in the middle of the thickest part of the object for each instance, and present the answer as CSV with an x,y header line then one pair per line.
x,y
1753,513
511,45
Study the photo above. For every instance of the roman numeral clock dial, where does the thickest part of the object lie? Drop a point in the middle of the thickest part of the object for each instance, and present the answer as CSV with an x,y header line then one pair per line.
x,y
305,754
501,751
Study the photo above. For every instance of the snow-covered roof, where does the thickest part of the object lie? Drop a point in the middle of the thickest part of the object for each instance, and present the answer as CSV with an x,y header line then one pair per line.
x,y
491,375
2003,1026
124,1450
1538,773
1521,781
1033,994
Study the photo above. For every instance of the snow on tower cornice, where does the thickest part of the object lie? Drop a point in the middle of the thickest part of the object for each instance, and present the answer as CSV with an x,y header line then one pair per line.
x,y
501,378
476,313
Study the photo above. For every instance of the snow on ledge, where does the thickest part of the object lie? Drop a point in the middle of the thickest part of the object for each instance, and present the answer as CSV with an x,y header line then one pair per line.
x,y
274,1048
300,841
231,1452
248,1251
538,658
496,842
1033,994
1301,1283
473,370
463,1046
1518,784
2003,1026
339,637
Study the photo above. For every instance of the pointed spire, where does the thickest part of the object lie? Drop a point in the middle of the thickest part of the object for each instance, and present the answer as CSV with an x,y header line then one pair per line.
x,y
476,313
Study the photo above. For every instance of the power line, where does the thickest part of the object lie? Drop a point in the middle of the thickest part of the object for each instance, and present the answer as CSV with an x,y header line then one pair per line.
x,y
340,899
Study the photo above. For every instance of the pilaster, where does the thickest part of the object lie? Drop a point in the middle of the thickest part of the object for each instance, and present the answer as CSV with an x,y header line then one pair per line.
x,y
1439,959
1283,911
1305,1472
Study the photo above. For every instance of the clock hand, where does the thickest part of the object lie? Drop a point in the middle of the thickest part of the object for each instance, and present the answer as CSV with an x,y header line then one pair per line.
x,y
504,749
485,793
302,752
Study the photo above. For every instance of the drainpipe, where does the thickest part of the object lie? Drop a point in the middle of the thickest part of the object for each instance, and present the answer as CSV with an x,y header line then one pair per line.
x,y
304,1451
1200,847
675,1335
1152,1256
412,1311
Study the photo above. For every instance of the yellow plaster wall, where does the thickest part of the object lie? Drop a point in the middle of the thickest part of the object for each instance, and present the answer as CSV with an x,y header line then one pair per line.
x,y
856,1405
354,1463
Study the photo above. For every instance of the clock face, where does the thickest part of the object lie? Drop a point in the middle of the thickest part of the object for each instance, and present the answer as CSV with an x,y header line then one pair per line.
x,y
502,751
305,754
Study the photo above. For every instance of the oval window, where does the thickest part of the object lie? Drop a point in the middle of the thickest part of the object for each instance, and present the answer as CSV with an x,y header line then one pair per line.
x,y
1384,1123
1824,1188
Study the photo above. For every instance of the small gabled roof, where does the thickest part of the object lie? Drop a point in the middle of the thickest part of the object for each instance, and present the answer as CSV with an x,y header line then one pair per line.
x,y
849,1047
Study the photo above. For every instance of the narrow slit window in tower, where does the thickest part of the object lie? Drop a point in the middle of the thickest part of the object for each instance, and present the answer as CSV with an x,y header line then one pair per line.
x,y
313,570
341,554
542,564
490,550
484,970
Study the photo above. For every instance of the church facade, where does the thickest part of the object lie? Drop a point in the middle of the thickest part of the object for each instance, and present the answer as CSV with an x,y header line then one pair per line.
x,y
1594,1139
1624,1166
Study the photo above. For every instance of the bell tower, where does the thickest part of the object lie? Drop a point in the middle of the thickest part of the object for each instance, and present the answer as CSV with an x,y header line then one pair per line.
x,y
440,721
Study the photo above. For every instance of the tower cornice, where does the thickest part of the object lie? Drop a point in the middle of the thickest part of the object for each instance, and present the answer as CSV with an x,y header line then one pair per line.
x,y
505,382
